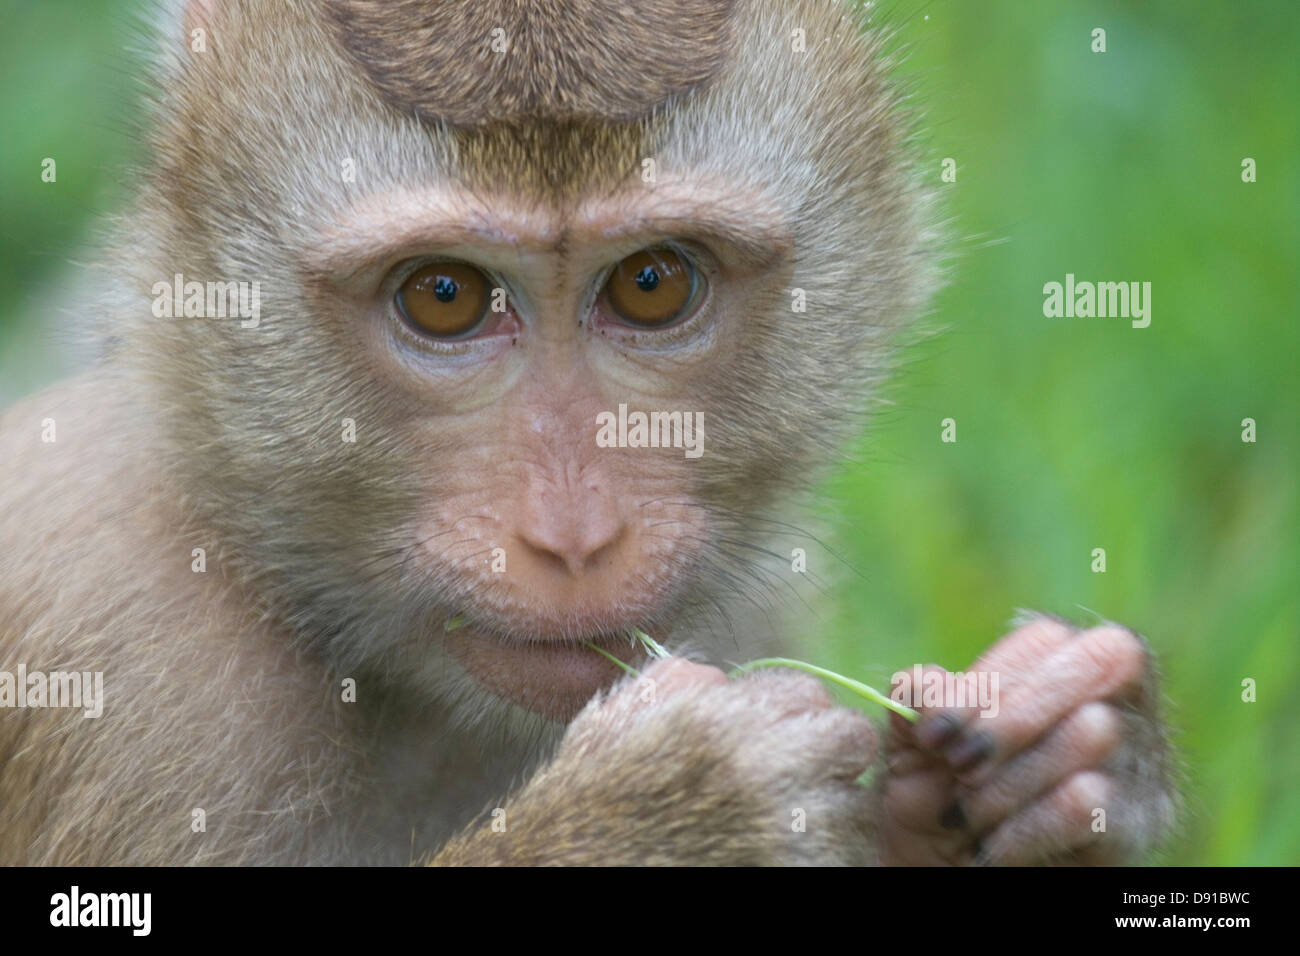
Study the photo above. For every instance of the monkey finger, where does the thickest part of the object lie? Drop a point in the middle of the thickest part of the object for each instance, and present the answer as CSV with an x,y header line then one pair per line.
x,y
938,725
786,692
916,801
638,695
824,750
673,675
1019,652
904,761
1026,646
1084,740
1060,823
1098,664
843,741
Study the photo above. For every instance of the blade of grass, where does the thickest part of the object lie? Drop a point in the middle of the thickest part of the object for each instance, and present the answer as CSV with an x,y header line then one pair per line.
x,y
656,650
604,653
652,647
859,688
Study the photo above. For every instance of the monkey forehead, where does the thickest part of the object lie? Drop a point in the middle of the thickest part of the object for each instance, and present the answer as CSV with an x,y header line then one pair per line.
x,y
385,225
465,63
274,134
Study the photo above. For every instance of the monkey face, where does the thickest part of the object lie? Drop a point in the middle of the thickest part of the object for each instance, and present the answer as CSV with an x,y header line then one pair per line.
x,y
465,314
550,375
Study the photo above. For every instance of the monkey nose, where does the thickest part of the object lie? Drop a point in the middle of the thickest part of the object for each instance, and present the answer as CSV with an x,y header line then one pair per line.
x,y
576,536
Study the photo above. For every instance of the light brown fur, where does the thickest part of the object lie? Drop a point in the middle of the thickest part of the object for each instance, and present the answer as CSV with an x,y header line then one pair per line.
x,y
553,62
329,561
222,689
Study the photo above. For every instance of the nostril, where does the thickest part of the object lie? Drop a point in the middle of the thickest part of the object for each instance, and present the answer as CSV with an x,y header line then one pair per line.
x,y
545,555
575,547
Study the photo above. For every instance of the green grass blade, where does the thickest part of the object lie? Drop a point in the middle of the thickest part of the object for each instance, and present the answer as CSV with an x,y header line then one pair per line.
x,y
857,687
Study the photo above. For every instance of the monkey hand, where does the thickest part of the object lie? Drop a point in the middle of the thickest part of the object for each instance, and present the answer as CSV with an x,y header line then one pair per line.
x,y
683,766
1069,765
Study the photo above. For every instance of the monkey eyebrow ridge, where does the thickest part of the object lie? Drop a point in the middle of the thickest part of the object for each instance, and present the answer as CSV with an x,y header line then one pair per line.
x,y
382,225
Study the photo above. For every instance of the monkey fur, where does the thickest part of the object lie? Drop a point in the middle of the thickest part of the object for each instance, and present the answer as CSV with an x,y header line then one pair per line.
x,y
329,561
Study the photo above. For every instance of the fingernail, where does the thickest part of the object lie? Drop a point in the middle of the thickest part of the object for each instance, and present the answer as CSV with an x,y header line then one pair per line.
x,y
954,818
934,733
966,753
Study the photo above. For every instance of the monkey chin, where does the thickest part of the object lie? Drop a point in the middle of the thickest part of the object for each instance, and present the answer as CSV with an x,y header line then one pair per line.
x,y
554,679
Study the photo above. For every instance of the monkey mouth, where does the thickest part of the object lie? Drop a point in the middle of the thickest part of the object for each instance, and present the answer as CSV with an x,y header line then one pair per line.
x,y
553,678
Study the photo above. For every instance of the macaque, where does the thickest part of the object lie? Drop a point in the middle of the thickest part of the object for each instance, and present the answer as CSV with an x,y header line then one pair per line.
x,y
330,515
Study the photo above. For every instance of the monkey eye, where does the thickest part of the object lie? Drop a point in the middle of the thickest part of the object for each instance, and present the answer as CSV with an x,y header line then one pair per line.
x,y
446,300
652,288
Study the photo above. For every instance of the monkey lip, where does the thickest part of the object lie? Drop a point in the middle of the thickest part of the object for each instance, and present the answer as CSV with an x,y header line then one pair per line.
x,y
551,678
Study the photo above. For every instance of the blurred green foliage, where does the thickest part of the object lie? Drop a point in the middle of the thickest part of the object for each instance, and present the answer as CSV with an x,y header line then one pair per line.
x,y
1078,433
1073,434
69,90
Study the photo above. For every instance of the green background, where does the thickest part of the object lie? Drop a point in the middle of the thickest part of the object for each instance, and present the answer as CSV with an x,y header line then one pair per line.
x,y
1073,434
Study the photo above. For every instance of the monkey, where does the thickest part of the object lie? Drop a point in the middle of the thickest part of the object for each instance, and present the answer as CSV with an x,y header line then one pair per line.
x,y
329,512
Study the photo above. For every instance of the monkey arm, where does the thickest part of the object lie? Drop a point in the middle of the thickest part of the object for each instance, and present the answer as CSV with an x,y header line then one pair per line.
x,y
682,766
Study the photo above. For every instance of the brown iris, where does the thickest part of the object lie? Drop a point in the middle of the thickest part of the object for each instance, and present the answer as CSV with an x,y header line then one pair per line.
x,y
652,287
445,299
